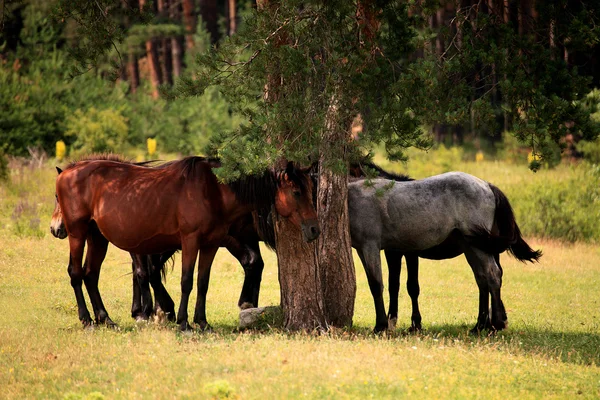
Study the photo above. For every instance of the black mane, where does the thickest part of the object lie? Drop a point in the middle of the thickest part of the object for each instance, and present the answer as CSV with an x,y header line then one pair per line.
x,y
381,173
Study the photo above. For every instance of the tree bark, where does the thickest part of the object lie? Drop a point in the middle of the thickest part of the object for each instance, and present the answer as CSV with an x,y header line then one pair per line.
x,y
210,17
335,261
153,65
166,62
189,20
176,42
133,72
299,279
232,17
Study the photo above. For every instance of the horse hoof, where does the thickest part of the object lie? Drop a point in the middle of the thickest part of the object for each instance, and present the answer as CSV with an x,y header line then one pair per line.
x,y
415,329
185,327
140,319
246,305
380,328
499,325
110,324
204,326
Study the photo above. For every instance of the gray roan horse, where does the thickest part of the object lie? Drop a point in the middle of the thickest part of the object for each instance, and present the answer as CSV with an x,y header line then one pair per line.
x,y
438,217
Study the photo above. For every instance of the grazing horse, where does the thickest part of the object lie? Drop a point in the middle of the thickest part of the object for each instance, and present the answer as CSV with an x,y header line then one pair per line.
x,y
147,210
453,213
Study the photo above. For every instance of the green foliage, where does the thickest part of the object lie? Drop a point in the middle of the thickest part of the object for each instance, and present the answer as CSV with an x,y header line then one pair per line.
x,y
4,173
220,389
566,209
539,90
314,59
97,131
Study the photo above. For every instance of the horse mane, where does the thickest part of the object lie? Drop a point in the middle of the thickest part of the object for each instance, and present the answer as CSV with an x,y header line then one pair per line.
x,y
103,157
263,223
381,173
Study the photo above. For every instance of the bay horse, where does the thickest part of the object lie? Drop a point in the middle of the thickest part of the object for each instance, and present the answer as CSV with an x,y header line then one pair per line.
x,y
147,210
438,217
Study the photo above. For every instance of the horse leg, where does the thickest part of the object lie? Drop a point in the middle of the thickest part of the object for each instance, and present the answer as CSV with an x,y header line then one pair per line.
x,y
488,277
394,261
248,254
207,256
140,264
256,267
369,255
136,301
412,286
75,270
164,302
189,254
499,318
97,246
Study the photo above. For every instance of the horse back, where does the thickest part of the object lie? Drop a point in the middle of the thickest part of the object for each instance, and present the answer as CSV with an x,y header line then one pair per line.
x,y
417,215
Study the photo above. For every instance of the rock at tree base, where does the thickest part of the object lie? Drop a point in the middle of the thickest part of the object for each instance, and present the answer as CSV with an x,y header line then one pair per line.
x,y
261,317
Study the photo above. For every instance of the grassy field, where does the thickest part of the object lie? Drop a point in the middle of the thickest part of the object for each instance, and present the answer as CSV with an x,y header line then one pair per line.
x,y
550,350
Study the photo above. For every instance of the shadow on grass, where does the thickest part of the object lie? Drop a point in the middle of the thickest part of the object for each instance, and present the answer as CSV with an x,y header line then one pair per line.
x,y
582,348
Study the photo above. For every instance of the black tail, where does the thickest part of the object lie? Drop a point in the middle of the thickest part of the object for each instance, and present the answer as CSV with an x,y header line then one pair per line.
x,y
509,237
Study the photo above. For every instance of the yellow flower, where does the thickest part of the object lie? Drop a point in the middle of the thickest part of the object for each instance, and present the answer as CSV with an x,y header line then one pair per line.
x,y
61,150
479,156
533,157
151,143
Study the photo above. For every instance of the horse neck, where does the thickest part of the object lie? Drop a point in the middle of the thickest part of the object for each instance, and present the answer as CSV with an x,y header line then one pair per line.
x,y
233,208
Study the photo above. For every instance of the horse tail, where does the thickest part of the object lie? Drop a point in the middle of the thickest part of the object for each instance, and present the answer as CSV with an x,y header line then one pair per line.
x,y
509,231
161,262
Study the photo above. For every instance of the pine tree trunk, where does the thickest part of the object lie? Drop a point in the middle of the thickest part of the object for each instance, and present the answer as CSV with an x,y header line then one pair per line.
x,y
153,65
232,16
210,17
335,261
133,72
189,20
299,279
176,42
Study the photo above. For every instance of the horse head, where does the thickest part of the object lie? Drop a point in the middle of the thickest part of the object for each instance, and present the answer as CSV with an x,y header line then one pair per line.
x,y
57,225
293,200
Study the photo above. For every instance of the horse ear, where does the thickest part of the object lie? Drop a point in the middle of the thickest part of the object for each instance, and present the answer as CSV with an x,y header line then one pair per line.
x,y
58,170
289,169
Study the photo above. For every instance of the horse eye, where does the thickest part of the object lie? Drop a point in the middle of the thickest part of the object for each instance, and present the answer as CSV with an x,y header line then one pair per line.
x,y
296,193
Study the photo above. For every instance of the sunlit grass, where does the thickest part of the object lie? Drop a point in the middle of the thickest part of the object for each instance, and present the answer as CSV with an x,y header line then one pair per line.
x,y
551,348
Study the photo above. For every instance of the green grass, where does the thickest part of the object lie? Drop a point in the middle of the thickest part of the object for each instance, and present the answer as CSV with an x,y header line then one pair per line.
x,y
551,348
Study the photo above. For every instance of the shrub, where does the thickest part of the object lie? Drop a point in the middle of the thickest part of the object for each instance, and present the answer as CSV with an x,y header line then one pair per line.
x,y
97,130
566,209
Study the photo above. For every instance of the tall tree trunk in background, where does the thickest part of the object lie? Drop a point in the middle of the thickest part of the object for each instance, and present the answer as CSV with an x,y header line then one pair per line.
x,y
153,65
232,15
133,72
176,42
189,20
210,17
166,63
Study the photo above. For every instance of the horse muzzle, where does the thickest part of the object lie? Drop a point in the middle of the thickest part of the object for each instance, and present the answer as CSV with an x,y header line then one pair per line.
x,y
310,230
59,232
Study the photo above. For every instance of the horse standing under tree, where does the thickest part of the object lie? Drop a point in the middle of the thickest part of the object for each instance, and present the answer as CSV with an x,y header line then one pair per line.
x,y
491,230
438,217
107,200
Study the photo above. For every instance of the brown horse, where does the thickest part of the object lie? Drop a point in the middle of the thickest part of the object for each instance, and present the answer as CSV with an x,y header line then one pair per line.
x,y
181,205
